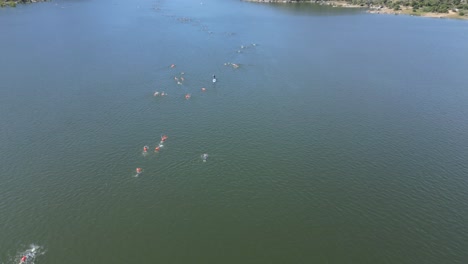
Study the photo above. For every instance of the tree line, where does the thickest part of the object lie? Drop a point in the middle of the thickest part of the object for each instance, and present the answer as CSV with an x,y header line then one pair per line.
x,y
436,6
12,3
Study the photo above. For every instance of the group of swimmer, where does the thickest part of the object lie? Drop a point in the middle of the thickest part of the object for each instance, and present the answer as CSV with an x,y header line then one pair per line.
x,y
243,47
179,79
156,149
234,65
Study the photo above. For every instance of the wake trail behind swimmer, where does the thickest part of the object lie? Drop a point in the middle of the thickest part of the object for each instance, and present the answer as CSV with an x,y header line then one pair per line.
x,y
29,255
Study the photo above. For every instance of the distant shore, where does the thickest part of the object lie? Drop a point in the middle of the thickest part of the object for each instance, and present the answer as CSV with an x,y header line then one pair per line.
x,y
409,11
4,3
373,9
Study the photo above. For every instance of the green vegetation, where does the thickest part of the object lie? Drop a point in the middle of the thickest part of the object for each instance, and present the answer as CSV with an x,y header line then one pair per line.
x,y
446,8
11,3
435,6
4,3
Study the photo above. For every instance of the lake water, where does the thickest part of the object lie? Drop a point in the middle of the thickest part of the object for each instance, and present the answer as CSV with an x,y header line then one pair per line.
x,y
341,138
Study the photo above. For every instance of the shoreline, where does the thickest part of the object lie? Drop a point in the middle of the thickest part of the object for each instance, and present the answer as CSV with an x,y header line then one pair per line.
x,y
404,10
8,3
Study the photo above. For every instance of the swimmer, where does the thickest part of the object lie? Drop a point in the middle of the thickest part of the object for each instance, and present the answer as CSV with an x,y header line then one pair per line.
x,y
179,83
139,170
182,79
163,94
187,96
156,94
203,89
30,255
163,138
156,149
172,65
204,157
176,79
214,78
145,149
